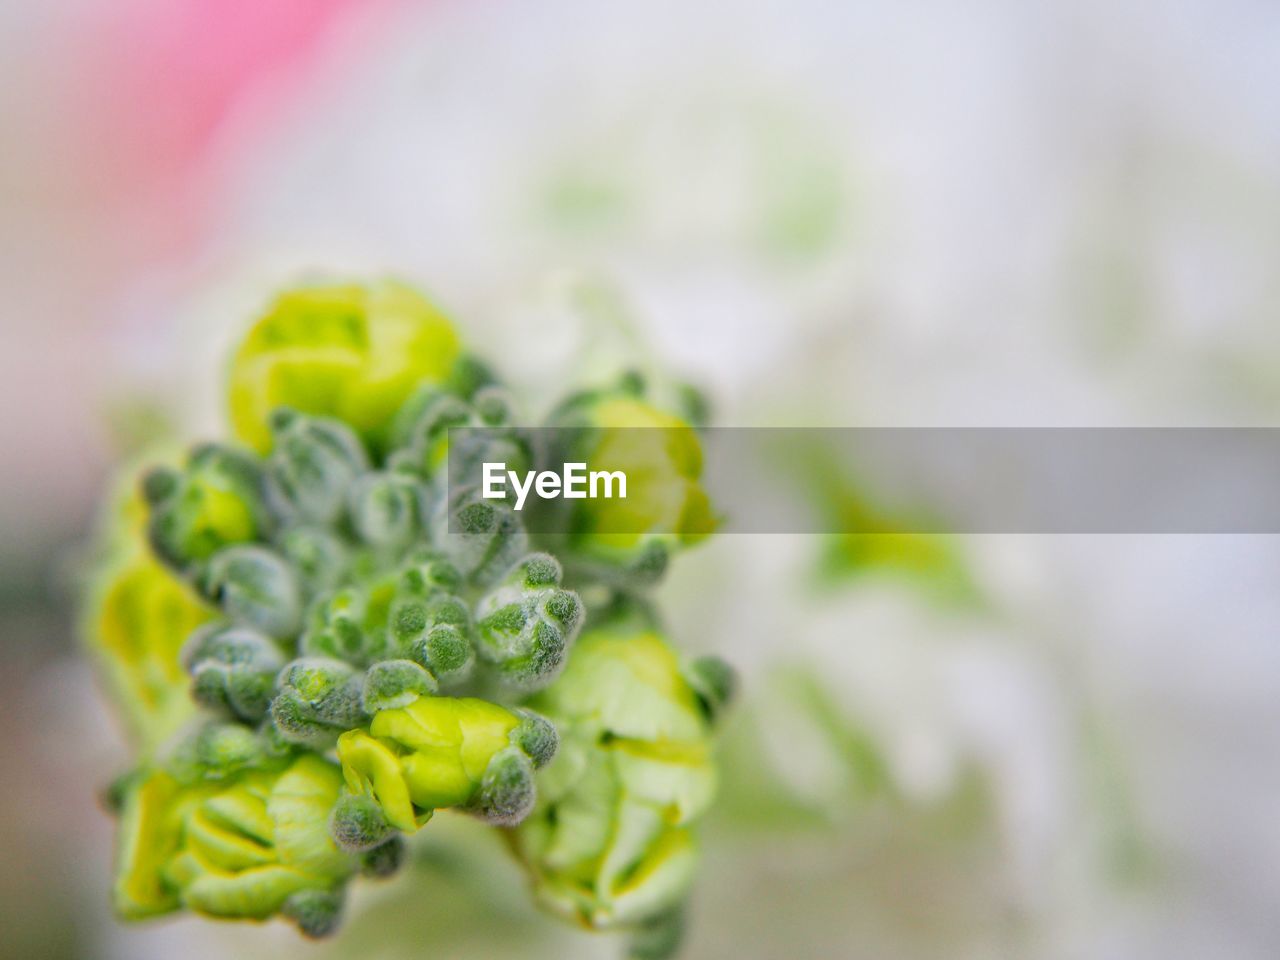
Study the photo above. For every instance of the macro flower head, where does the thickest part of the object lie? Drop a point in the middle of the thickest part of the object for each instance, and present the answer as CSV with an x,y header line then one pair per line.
x,y
322,639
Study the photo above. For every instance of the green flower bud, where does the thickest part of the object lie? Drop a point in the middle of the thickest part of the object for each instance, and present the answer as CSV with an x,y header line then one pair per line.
x,y
385,859
609,842
422,427
343,626
445,651
408,620
390,684
216,501
489,538
492,406
506,791
665,504
217,751
428,434
536,736
439,752
348,351
242,846
317,913
317,699
358,824
433,629
295,725
386,508
526,625
256,588
470,375
428,573
233,669
319,556
312,466
625,562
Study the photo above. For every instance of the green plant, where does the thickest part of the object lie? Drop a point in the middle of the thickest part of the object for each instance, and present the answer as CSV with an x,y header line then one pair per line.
x,y
316,643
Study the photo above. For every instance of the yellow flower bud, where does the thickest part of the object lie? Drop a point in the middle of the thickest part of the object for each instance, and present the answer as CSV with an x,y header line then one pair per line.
x,y
347,351
438,752
137,617
609,842
237,847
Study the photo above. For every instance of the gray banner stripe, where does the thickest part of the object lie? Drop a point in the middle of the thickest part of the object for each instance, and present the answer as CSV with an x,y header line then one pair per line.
x,y
932,480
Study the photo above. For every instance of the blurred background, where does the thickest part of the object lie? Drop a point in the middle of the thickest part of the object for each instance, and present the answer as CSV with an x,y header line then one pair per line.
x,y
824,213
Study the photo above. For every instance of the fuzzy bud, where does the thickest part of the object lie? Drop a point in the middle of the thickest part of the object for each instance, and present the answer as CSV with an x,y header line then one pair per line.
x,y
312,466
526,625
232,668
255,588
389,684
317,699
215,501
486,538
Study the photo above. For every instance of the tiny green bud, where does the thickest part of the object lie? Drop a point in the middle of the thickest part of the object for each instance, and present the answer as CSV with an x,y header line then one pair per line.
x,y
313,464
540,570
492,405
358,824
430,572
625,565
318,698
256,588
390,684
274,746
636,567
448,609
385,859
335,627
216,500
536,736
219,750
527,624
319,556
317,913
470,374
694,404
423,423
489,537
293,724
408,620
445,651
650,564
329,691
506,793
386,508
232,668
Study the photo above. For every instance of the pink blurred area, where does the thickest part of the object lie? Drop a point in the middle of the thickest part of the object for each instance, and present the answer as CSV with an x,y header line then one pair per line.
x,y
124,121
154,84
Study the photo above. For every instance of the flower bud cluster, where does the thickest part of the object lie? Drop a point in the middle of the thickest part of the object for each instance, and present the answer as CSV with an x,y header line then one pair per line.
x,y
345,645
